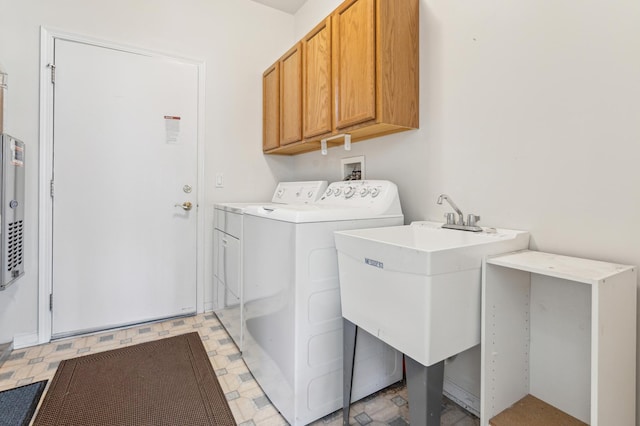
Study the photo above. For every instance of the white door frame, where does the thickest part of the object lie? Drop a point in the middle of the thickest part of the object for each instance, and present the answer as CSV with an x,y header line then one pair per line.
x,y
45,209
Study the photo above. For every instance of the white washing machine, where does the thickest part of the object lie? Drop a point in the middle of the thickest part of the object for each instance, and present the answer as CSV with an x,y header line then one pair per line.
x,y
227,249
291,297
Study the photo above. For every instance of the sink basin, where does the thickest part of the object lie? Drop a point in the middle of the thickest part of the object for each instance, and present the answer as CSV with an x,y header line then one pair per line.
x,y
418,287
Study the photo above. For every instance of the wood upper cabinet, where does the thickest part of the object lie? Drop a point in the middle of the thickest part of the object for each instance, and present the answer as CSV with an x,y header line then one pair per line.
x,y
271,107
360,76
317,84
355,62
291,96
375,64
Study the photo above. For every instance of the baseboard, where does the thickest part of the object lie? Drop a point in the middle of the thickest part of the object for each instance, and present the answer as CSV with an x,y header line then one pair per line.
x,y
462,397
25,340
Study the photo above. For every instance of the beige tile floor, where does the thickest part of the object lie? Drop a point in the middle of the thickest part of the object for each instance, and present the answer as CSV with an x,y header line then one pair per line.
x,y
249,404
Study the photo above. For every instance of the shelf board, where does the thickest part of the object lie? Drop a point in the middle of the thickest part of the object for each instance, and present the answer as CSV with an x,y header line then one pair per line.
x,y
531,411
569,268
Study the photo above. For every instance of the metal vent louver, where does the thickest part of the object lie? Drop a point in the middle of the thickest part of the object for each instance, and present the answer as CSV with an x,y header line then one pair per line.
x,y
14,245
12,254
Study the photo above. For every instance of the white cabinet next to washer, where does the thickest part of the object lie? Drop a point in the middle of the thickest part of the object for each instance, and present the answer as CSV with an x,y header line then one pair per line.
x,y
563,330
227,272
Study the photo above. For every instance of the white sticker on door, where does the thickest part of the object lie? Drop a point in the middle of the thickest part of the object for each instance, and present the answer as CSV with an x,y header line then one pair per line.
x,y
172,125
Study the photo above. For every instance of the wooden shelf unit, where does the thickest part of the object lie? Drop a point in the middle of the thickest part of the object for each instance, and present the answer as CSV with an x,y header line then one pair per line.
x,y
562,329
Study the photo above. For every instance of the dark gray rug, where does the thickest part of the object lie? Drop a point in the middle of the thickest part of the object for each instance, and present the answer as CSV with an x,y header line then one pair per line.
x,y
165,382
18,405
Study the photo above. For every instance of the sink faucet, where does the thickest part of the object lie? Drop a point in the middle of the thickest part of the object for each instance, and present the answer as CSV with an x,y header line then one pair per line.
x,y
470,225
453,205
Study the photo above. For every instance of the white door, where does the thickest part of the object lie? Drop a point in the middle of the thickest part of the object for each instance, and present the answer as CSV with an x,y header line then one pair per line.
x,y
125,159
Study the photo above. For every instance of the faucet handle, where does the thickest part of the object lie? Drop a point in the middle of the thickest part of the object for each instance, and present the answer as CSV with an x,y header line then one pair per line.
x,y
451,218
472,219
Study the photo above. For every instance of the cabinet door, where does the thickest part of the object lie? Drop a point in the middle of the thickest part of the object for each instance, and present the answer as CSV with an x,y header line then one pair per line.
x,y
227,265
271,107
231,261
291,96
316,81
354,63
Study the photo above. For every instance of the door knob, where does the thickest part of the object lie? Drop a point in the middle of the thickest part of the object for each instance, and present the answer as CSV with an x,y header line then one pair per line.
x,y
185,206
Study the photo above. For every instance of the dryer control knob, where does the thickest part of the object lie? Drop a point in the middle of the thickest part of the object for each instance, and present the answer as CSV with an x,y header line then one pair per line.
x,y
364,191
337,191
375,192
329,191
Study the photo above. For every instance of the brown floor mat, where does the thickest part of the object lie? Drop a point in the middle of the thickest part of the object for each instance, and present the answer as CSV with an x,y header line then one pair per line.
x,y
164,382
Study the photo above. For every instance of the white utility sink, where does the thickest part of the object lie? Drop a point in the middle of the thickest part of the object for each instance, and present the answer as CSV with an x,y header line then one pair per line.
x,y
417,287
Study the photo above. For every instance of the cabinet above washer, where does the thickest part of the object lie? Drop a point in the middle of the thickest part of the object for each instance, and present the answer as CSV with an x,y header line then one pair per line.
x,y
359,75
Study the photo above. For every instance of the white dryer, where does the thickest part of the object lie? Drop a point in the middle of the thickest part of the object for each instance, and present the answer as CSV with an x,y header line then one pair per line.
x,y
291,298
227,249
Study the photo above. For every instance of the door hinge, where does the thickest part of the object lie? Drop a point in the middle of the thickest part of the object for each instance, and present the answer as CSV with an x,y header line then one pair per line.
x,y
51,301
51,188
52,67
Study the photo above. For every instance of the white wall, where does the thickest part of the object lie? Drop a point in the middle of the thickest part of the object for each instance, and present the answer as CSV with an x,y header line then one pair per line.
x,y
529,112
530,117
236,39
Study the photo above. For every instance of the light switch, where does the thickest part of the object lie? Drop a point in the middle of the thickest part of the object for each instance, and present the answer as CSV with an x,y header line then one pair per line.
x,y
219,180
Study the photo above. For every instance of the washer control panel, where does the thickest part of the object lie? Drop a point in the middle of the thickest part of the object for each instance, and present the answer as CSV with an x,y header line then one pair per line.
x,y
358,193
299,192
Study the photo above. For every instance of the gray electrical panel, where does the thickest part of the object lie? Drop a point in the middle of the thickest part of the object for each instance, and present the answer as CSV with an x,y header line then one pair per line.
x,y
12,210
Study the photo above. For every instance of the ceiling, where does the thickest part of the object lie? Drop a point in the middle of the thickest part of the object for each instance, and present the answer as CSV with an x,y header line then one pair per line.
x,y
289,6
